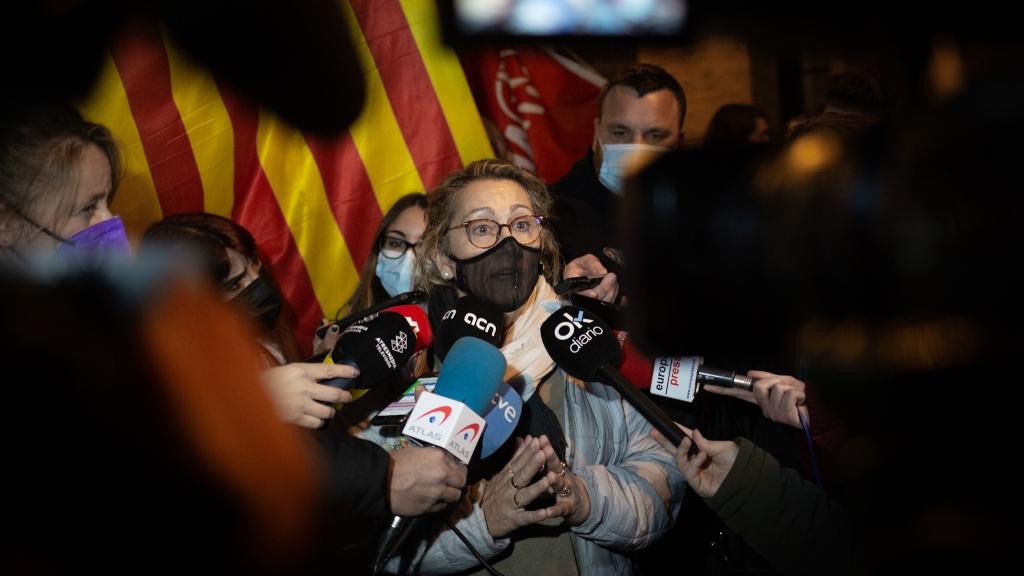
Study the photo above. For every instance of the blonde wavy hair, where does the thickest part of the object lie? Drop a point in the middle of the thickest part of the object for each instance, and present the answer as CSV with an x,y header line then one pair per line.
x,y
441,208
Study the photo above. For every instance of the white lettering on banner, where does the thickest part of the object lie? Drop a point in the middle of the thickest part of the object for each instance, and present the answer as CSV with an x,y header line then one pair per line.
x,y
675,377
514,87
449,315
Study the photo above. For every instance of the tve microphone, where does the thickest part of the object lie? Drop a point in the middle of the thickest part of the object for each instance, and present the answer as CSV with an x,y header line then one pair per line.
x,y
449,417
678,378
502,418
469,317
585,347
378,348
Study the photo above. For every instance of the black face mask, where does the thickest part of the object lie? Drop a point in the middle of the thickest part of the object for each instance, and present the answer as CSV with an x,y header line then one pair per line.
x,y
261,301
503,276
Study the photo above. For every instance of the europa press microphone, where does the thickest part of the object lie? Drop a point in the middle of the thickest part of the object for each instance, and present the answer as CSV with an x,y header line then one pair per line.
x,y
679,378
449,417
585,347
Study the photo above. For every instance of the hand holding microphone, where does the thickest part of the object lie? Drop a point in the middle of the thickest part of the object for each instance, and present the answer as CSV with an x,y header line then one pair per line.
x,y
424,480
449,418
704,468
299,398
781,398
589,265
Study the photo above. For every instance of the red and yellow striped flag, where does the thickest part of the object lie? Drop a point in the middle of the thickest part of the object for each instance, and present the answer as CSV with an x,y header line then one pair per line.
x,y
313,204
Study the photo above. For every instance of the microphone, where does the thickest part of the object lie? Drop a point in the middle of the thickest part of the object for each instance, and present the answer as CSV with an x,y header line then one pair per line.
x,y
405,298
678,378
585,347
418,321
449,417
502,417
379,348
469,317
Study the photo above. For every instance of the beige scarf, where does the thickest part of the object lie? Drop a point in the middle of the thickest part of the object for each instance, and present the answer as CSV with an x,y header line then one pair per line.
x,y
528,361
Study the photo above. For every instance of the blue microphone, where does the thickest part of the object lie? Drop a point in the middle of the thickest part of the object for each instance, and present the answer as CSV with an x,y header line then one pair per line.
x,y
502,418
472,373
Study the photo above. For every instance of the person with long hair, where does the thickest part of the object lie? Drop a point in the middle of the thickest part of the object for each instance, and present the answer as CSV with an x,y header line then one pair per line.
x,y
58,175
389,268
612,489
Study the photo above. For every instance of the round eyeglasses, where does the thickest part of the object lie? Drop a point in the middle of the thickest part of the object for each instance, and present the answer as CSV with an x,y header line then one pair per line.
x,y
393,247
484,232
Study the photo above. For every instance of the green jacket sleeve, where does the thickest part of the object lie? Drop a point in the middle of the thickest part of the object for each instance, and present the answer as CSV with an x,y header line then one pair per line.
x,y
793,524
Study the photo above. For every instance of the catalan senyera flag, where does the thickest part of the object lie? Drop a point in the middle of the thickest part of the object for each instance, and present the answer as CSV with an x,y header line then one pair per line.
x,y
313,204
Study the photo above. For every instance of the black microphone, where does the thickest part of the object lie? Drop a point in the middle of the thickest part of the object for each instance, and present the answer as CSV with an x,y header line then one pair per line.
x,y
468,317
414,297
378,348
585,347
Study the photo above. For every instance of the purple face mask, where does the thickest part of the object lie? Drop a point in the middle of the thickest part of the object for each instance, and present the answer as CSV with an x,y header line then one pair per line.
x,y
106,238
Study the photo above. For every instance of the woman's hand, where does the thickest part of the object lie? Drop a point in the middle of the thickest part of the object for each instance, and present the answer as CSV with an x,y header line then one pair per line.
x,y
705,470
590,265
781,398
507,494
299,398
572,501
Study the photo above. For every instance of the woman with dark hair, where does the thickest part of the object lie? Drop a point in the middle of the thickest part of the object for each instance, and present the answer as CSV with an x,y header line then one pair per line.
x,y
737,125
612,488
233,264
389,268
58,174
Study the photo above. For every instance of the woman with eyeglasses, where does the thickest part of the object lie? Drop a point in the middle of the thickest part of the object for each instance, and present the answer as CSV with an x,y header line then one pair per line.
x,y
584,483
388,269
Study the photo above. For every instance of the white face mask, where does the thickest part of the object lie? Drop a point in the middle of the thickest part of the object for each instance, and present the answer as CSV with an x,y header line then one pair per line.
x,y
396,273
621,160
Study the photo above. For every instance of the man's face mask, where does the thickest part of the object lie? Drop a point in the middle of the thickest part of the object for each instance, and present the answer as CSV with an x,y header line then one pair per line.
x,y
261,301
395,274
503,276
106,238
619,160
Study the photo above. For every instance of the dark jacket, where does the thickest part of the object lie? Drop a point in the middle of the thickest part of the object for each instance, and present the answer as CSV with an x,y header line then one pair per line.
x,y
585,212
793,524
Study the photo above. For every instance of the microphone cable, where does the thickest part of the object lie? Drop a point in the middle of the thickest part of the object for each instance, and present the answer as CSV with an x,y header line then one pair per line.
x,y
810,447
487,565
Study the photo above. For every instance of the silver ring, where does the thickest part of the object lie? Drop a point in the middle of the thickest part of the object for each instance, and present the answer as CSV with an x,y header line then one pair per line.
x,y
512,480
562,471
515,498
566,491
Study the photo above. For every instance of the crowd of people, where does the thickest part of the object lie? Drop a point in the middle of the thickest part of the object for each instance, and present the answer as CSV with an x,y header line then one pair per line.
x,y
283,476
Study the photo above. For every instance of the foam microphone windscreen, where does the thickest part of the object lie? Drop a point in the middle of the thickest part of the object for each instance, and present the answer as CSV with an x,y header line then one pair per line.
x,y
579,342
418,321
379,347
469,317
472,373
